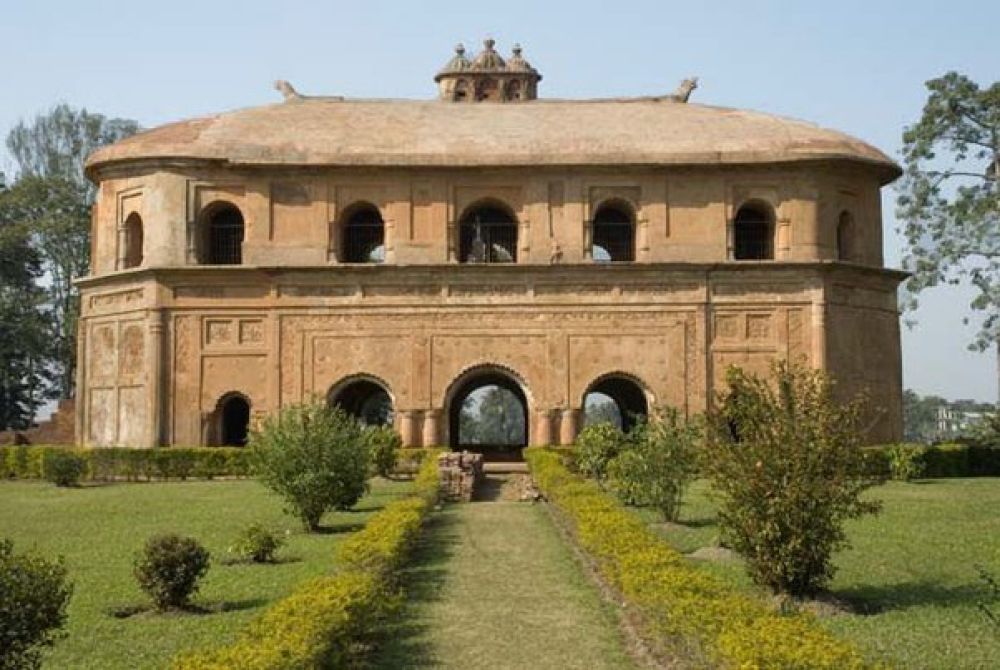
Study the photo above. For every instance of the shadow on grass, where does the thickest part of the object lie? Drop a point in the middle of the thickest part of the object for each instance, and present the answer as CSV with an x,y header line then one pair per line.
x,y
404,641
193,609
239,560
877,598
489,489
338,528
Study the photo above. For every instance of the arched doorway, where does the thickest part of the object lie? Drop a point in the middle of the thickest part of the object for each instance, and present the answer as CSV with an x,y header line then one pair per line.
x,y
615,399
488,412
365,399
232,420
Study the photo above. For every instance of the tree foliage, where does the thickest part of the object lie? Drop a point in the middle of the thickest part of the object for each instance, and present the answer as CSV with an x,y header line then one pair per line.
x,y
493,417
24,342
57,143
949,200
51,202
786,462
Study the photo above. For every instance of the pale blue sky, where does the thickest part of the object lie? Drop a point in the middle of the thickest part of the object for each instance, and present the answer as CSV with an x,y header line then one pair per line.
x,y
854,66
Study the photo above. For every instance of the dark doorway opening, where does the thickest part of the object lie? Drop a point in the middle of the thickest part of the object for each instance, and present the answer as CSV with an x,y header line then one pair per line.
x,y
234,421
615,400
365,400
488,413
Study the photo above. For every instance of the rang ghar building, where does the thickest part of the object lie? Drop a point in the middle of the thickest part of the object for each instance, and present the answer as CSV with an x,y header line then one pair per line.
x,y
396,256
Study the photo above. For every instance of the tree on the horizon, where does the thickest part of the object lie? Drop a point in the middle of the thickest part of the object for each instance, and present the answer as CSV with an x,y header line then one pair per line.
x,y
51,200
24,343
949,198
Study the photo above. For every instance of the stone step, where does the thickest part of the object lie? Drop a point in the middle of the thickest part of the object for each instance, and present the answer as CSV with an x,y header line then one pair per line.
x,y
505,467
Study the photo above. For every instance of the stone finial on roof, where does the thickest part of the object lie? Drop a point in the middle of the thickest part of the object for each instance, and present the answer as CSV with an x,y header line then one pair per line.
x,y
684,90
287,90
458,62
488,58
517,62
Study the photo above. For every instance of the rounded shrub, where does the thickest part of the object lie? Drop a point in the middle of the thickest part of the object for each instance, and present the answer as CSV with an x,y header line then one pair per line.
x,y
313,456
168,569
385,444
258,544
63,467
33,598
596,446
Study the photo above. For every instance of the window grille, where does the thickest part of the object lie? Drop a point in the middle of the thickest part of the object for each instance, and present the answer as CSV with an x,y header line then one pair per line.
x,y
225,238
488,236
613,236
364,238
752,235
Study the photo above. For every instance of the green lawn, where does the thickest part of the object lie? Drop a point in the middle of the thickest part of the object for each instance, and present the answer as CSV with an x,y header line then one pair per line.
x,y
99,529
493,585
910,573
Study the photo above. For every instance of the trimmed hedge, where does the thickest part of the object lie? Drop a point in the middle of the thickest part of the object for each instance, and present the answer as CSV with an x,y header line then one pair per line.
x,y
942,460
716,625
321,623
122,463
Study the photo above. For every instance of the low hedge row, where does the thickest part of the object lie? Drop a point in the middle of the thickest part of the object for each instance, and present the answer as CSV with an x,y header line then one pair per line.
x,y
117,463
321,623
711,622
942,460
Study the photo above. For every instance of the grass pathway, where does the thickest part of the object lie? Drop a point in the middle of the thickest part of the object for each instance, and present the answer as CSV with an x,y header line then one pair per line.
x,y
494,586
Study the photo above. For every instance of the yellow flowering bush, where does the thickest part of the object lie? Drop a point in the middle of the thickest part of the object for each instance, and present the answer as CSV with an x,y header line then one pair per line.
x,y
321,623
695,610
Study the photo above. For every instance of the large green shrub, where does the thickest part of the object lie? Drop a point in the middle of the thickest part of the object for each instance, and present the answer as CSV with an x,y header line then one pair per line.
x,y
658,460
785,459
314,457
33,598
168,569
385,444
63,467
596,446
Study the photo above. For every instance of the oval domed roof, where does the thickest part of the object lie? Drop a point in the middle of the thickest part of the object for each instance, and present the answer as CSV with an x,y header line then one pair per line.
x,y
638,131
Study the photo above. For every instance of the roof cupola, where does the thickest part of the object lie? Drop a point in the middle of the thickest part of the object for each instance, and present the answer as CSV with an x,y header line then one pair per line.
x,y
487,77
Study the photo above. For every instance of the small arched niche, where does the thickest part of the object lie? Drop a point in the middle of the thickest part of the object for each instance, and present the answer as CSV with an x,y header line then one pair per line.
x,y
231,421
365,398
845,237
753,233
133,241
616,399
613,233
363,236
223,235
488,234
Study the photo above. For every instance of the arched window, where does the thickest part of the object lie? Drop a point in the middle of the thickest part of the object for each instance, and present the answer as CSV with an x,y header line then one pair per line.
x,y
487,89
364,399
615,399
514,89
133,241
223,236
488,234
613,234
461,91
845,237
753,233
232,419
364,235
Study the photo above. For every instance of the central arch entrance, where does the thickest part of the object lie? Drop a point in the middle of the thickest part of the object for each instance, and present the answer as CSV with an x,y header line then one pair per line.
x,y
488,413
